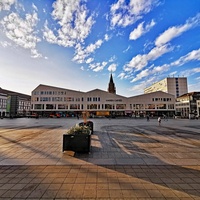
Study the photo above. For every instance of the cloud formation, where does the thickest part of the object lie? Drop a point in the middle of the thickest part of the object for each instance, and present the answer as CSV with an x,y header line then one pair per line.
x,y
162,46
74,21
176,31
141,30
21,31
123,14
6,4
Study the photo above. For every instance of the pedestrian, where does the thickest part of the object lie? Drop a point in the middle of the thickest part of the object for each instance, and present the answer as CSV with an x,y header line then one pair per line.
x,y
147,117
159,120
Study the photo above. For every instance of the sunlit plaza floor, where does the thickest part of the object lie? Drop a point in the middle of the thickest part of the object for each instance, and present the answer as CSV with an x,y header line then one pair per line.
x,y
129,159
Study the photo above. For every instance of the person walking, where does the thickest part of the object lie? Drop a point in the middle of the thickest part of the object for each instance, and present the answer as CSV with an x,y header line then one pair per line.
x,y
159,120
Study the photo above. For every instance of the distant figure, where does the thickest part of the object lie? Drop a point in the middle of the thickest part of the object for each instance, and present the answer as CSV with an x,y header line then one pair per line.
x,y
159,120
77,116
147,117
165,117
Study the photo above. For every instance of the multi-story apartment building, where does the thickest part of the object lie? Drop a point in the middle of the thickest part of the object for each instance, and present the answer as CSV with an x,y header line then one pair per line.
x,y
16,104
172,85
187,105
48,100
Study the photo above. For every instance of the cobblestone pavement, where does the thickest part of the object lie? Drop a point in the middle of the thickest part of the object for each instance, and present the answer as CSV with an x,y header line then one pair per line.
x,y
129,159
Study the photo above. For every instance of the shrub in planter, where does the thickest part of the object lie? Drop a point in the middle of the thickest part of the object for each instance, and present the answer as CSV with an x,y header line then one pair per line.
x,y
88,124
77,139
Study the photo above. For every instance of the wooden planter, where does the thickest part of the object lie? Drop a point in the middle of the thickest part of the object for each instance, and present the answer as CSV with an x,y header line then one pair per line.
x,y
77,142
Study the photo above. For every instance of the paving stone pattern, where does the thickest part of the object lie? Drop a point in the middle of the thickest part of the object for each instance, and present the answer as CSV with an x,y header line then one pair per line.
x,y
129,159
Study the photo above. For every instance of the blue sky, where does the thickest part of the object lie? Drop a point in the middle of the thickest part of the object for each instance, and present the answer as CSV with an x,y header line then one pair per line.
x,y
76,44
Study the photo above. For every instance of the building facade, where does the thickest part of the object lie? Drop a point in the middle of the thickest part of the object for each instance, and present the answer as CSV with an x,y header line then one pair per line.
x,y
14,104
3,104
172,85
187,105
48,100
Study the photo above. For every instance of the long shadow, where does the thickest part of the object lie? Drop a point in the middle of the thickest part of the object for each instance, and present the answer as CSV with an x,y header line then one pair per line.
x,y
179,178
166,175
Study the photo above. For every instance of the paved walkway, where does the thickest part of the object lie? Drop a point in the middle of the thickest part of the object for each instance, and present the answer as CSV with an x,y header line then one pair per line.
x,y
129,159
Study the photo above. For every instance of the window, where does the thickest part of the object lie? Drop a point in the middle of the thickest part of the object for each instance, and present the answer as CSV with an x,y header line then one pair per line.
x,y
74,106
161,106
50,106
121,106
109,106
61,106
92,106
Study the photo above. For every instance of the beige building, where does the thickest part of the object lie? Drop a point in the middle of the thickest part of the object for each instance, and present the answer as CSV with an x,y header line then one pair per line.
x,y
172,85
187,105
48,100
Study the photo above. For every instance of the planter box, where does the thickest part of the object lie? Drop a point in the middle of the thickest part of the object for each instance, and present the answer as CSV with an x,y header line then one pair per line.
x,y
77,143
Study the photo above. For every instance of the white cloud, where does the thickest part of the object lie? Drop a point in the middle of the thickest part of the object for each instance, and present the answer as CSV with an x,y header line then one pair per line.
x,y
122,75
21,31
112,67
6,4
141,75
193,55
5,44
89,60
176,31
190,72
72,16
123,14
141,30
82,53
194,87
97,66
139,88
34,7
140,61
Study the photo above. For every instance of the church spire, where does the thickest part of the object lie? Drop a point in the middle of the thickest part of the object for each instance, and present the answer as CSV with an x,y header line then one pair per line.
x,y
111,86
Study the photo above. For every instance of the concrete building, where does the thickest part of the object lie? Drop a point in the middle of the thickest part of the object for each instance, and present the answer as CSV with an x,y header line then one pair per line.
x,y
54,101
172,85
187,105
17,104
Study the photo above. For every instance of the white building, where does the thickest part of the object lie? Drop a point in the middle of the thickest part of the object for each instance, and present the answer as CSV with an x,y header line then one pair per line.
x,y
48,100
172,85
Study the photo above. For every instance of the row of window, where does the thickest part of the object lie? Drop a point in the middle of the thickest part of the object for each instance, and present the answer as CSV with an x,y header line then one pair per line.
x,y
182,104
102,106
49,93
161,99
67,99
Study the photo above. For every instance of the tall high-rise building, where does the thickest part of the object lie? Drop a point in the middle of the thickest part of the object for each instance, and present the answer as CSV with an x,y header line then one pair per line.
x,y
111,86
172,85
